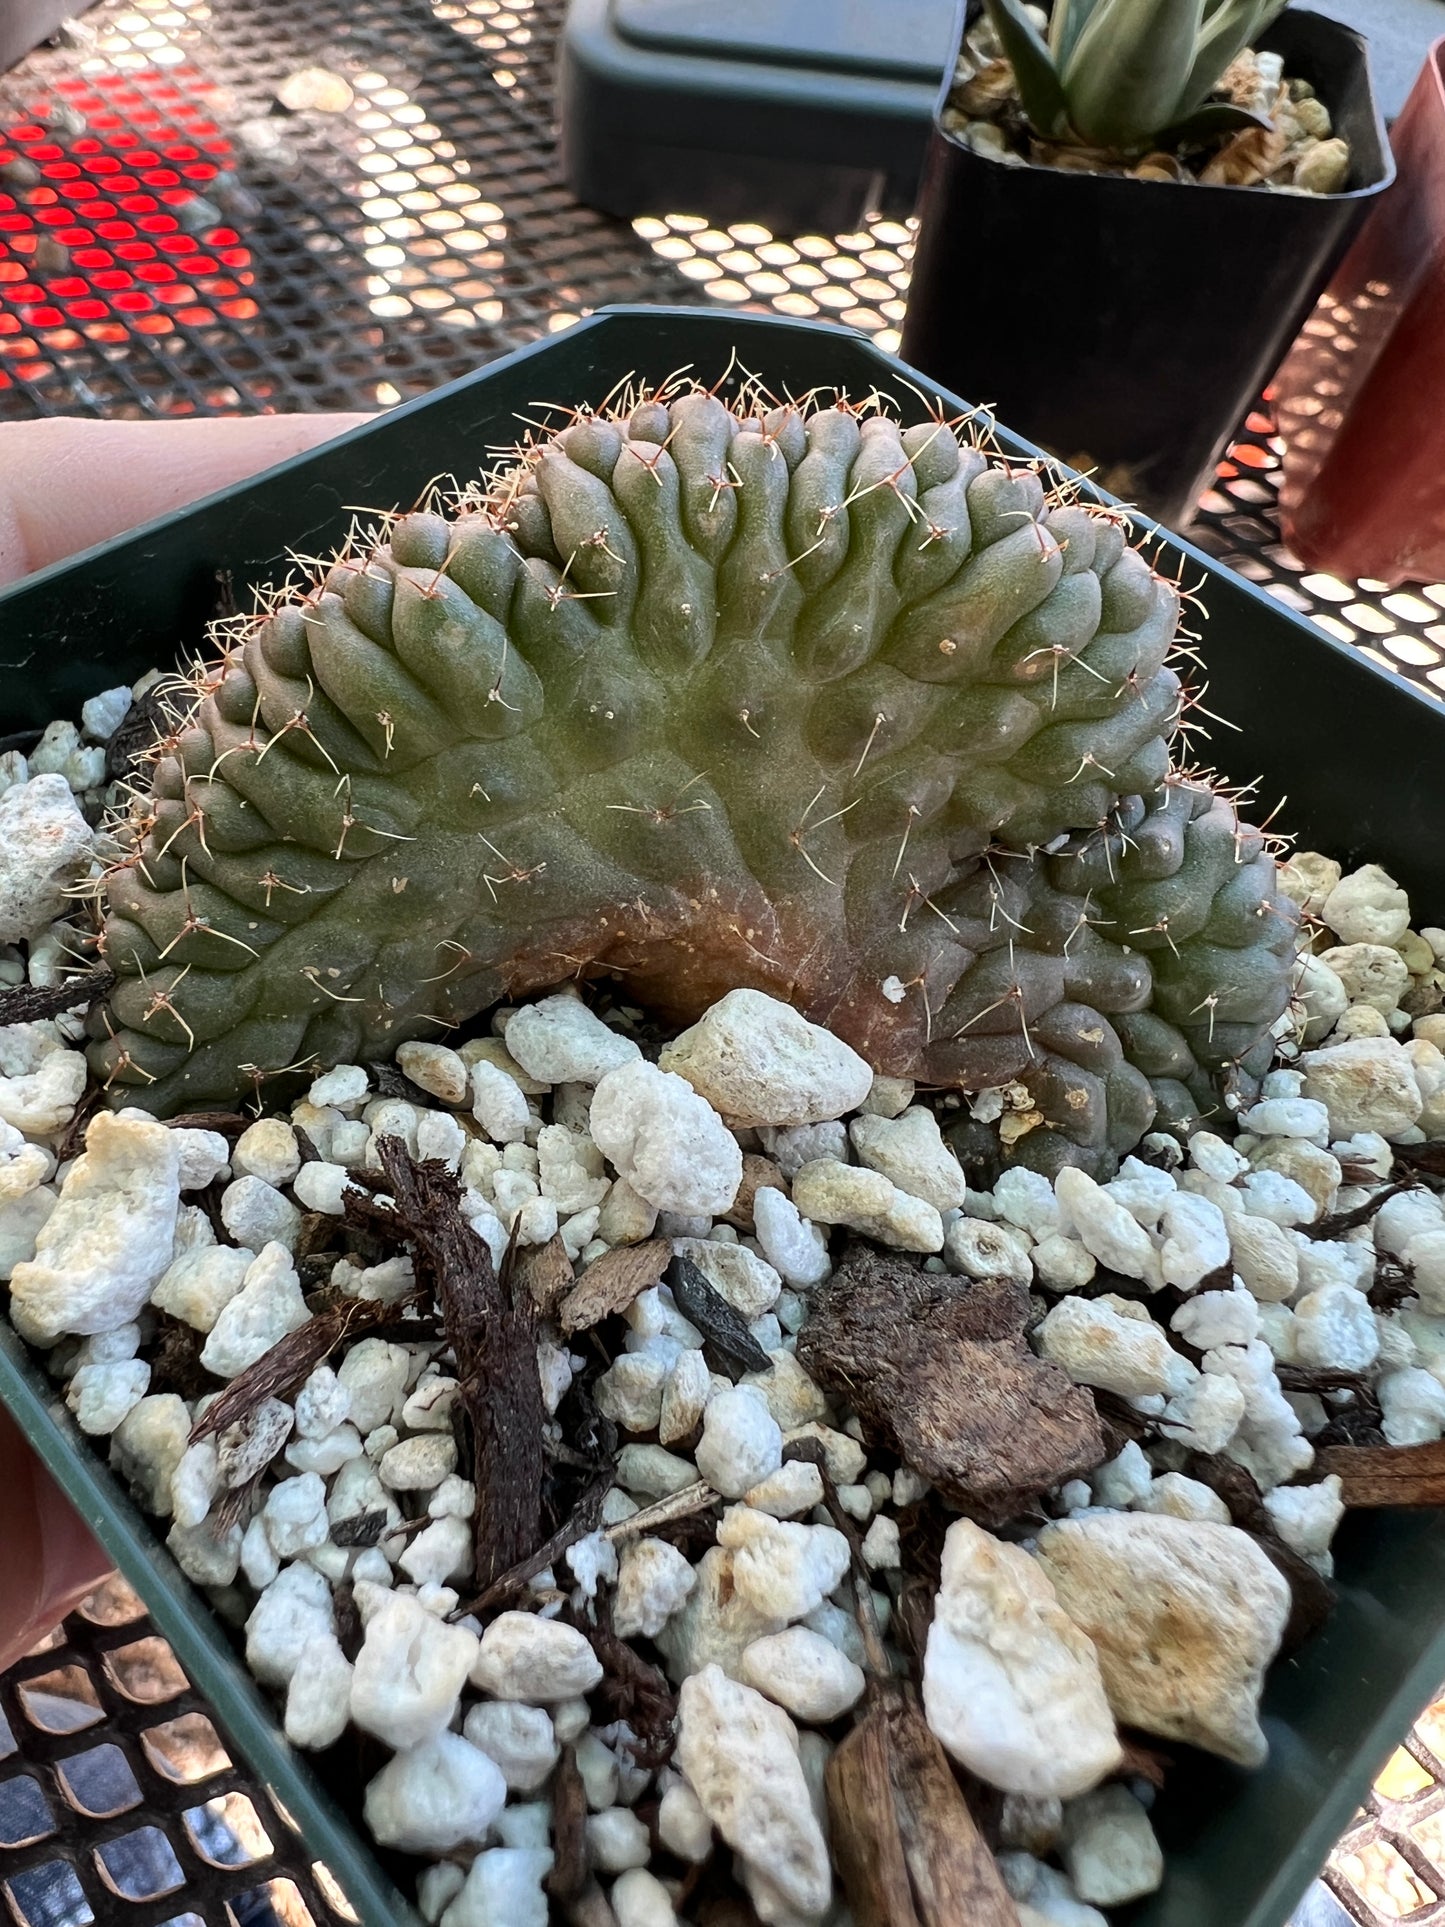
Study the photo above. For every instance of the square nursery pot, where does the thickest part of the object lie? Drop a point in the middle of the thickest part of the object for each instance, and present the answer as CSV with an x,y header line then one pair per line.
x,y
1358,399
1353,748
1127,325
25,23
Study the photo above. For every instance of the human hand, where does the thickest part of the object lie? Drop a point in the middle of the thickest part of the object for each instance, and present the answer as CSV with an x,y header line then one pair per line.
x,y
66,484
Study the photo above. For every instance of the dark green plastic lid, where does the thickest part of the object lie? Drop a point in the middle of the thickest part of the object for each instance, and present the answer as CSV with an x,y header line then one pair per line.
x,y
903,39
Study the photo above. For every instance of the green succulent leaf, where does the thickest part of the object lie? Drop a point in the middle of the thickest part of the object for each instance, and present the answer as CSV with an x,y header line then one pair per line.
x,y
1229,27
1066,23
1035,75
1127,75
1214,117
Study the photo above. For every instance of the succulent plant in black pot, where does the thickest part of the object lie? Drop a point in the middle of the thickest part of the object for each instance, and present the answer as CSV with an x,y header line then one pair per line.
x,y
1142,320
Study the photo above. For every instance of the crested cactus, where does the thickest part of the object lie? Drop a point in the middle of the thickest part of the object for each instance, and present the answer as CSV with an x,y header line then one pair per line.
x,y
796,699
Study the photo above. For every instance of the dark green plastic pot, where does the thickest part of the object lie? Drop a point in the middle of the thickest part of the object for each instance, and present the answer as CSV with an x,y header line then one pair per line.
x,y
1354,749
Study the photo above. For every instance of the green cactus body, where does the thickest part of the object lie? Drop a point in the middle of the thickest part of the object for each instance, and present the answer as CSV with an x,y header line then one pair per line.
x,y
703,700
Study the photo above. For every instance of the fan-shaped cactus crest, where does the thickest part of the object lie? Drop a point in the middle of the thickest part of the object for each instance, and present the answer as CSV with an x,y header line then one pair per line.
x,y
786,696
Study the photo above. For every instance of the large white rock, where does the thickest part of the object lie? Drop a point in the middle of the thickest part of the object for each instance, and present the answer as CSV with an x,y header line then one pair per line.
x,y
1113,1344
910,1151
1367,906
666,1141
409,1673
739,1754
1366,1084
522,1657
1105,1228
435,1797
781,1568
559,1041
109,1238
1185,1616
267,1307
45,844
1010,1684
804,1673
757,1061
198,1285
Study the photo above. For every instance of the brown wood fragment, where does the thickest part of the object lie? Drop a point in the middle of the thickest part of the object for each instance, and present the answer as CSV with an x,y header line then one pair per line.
x,y
631,1689
224,1123
176,1365
545,1273
906,1846
759,1174
29,1003
568,1877
73,1140
938,1370
1142,1760
1339,1222
491,1326
611,1284
292,1359
584,1519
1386,1475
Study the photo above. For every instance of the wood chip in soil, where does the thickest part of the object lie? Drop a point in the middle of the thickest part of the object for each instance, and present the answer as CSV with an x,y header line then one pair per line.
x,y
1385,1475
291,1360
938,1369
545,1273
610,1284
29,1003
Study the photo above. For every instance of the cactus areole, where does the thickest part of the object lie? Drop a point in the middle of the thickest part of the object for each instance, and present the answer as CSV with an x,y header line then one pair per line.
x,y
700,697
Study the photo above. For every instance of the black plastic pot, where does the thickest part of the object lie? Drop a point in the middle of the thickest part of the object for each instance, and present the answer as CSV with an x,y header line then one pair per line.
x,y
1356,750
1127,325
25,23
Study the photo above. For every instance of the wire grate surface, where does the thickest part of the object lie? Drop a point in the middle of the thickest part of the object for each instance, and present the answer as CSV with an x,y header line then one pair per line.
x,y
121,1801
194,244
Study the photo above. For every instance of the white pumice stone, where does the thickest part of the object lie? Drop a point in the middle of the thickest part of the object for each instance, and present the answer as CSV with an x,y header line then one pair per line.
x,y
295,1515
1367,906
1366,1084
410,1672
1195,1241
639,1899
558,1040
1105,1228
597,1764
197,1287
1123,1481
147,1445
794,1247
665,1141
1372,973
781,1569
439,1552
910,1151
293,1612
654,1580
652,1472
1207,1415
1321,996
418,1464
788,1392
1217,1318
319,1696
685,1394
791,1147
1265,1257
983,1251
206,1555
844,1458
267,1307
103,1246
435,1797
503,1884
257,1214
1335,1330
203,1157
570,1169
319,1186
739,1753
435,1069
41,1082
804,1673
1098,1343
829,1192
195,1482
748,1282
1306,1516
616,1840
1062,1264
497,1105
267,1149
741,1442
1269,1194
101,716
682,1825
374,1373
45,846
101,1395
350,1142
888,1096
1144,1190
322,1404
796,1487
1412,1404
881,1549
758,1061
1010,1687
520,1738
1108,1847
1180,1498
437,1886
523,1657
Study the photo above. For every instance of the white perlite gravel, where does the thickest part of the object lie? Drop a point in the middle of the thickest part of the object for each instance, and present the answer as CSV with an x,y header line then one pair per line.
x,y
557,1123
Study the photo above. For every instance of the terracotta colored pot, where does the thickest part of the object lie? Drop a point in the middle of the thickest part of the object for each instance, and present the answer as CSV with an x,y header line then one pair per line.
x,y
50,1560
1361,397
